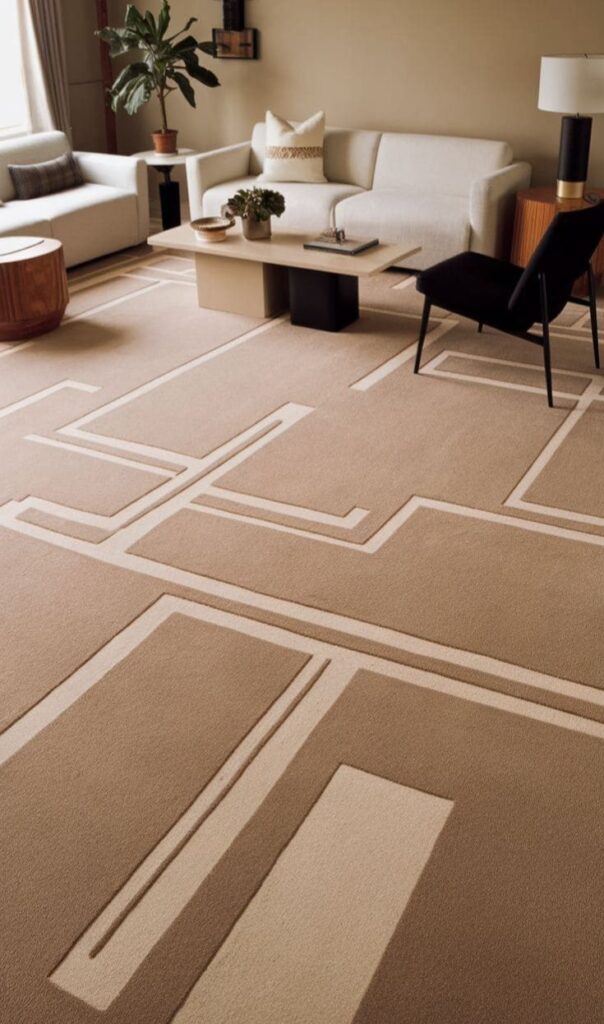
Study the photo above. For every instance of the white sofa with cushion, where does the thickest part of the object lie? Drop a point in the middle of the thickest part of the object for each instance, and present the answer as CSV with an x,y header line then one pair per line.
x,y
110,211
451,194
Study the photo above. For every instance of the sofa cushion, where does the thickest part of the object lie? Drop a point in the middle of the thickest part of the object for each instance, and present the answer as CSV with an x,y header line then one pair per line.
x,y
42,179
90,221
440,224
28,149
294,153
436,163
307,207
348,155
17,219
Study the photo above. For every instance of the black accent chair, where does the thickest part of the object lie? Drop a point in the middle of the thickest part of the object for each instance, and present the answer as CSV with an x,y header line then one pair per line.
x,y
511,298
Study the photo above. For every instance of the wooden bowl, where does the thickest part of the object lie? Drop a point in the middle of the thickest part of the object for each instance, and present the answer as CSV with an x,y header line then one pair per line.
x,y
212,229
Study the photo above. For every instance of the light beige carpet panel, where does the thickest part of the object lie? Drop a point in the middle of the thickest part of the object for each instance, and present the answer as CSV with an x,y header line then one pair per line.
x,y
302,702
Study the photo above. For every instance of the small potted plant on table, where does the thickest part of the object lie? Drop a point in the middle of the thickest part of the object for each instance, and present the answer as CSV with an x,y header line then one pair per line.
x,y
165,64
255,206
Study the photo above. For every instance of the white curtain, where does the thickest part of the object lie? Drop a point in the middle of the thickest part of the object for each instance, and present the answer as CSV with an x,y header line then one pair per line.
x,y
44,65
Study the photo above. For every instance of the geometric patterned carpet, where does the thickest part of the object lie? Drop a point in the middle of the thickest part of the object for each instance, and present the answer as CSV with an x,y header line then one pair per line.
x,y
302,699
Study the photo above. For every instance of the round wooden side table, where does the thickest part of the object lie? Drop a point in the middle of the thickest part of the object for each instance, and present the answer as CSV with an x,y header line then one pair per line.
x,y
33,286
535,210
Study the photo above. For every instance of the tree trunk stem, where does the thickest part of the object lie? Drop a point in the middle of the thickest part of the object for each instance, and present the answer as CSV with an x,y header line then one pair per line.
x,y
162,104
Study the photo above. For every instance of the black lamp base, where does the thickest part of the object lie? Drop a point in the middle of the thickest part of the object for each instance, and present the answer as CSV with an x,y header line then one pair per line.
x,y
575,137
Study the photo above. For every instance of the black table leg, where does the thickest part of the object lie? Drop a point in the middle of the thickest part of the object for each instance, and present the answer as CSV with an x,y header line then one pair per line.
x,y
327,302
169,197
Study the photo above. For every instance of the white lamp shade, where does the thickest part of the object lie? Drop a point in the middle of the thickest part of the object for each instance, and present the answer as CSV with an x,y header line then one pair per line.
x,y
572,83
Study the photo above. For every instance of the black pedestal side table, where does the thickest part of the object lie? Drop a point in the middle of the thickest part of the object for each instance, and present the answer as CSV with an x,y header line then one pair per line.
x,y
169,191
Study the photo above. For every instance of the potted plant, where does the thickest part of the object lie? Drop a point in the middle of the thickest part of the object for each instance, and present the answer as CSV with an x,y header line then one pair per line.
x,y
255,206
166,64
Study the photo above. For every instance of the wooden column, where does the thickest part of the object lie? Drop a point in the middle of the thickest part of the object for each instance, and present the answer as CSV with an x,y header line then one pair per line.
x,y
102,19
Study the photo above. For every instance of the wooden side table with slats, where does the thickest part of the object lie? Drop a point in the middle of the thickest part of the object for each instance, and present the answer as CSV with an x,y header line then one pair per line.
x,y
535,210
33,286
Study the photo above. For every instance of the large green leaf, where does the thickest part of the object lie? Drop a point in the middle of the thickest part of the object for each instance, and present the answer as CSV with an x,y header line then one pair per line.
x,y
204,76
208,47
196,71
188,43
127,74
120,40
135,94
184,85
136,23
152,27
163,19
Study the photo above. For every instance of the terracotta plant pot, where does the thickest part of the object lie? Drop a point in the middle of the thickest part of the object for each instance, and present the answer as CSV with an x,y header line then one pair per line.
x,y
255,229
165,142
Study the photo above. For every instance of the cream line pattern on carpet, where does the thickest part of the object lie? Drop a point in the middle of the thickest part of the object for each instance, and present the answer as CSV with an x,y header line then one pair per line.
x,y
113,550
314,926
592,394
105,957
143,913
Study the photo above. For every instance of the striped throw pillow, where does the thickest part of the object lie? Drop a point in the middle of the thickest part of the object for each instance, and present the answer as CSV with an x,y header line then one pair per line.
x,y
294,153
33,180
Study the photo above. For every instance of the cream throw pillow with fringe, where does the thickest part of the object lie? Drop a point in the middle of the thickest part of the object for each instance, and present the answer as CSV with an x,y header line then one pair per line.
x,y
294,153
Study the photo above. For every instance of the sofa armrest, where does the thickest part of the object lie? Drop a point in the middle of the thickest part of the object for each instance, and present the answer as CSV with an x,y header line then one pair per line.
x,y
207,169
492,201
126,173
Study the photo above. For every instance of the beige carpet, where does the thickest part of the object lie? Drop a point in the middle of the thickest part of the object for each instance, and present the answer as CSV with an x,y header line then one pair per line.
x,y
302,699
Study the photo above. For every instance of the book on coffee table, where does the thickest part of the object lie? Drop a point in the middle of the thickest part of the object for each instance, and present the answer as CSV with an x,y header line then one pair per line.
x,y
348,247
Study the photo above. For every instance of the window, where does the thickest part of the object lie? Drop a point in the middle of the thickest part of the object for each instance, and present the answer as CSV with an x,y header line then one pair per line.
x,y
14,110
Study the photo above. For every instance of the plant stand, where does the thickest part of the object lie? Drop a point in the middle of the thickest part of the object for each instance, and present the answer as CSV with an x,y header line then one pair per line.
x,y
169,191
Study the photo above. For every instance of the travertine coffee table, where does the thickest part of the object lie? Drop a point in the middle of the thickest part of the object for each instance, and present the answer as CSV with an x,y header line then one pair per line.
x,y
260,279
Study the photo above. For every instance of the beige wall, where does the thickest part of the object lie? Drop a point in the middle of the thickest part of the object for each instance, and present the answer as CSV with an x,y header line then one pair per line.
x,y
468,67
84,74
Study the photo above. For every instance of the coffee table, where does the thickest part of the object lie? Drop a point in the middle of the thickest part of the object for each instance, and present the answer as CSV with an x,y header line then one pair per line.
x,y
264,278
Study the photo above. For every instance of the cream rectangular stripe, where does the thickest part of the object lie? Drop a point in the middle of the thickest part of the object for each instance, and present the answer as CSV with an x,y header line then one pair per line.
x,y
39,396
303,942
99,979
395,362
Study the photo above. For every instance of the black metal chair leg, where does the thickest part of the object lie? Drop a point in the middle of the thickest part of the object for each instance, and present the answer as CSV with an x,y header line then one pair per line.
x,y
593,312
422,334
479,327
547,360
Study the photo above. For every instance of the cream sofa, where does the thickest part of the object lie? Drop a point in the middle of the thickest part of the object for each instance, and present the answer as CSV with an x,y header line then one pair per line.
x,y
451,194
110,211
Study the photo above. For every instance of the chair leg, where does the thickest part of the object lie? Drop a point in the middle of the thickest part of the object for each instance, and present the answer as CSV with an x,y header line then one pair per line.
x,y
547,359
422,333
479,327
547,363
593,314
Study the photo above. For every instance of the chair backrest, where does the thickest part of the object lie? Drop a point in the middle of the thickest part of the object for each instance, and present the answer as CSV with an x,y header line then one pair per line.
x,y
563,255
